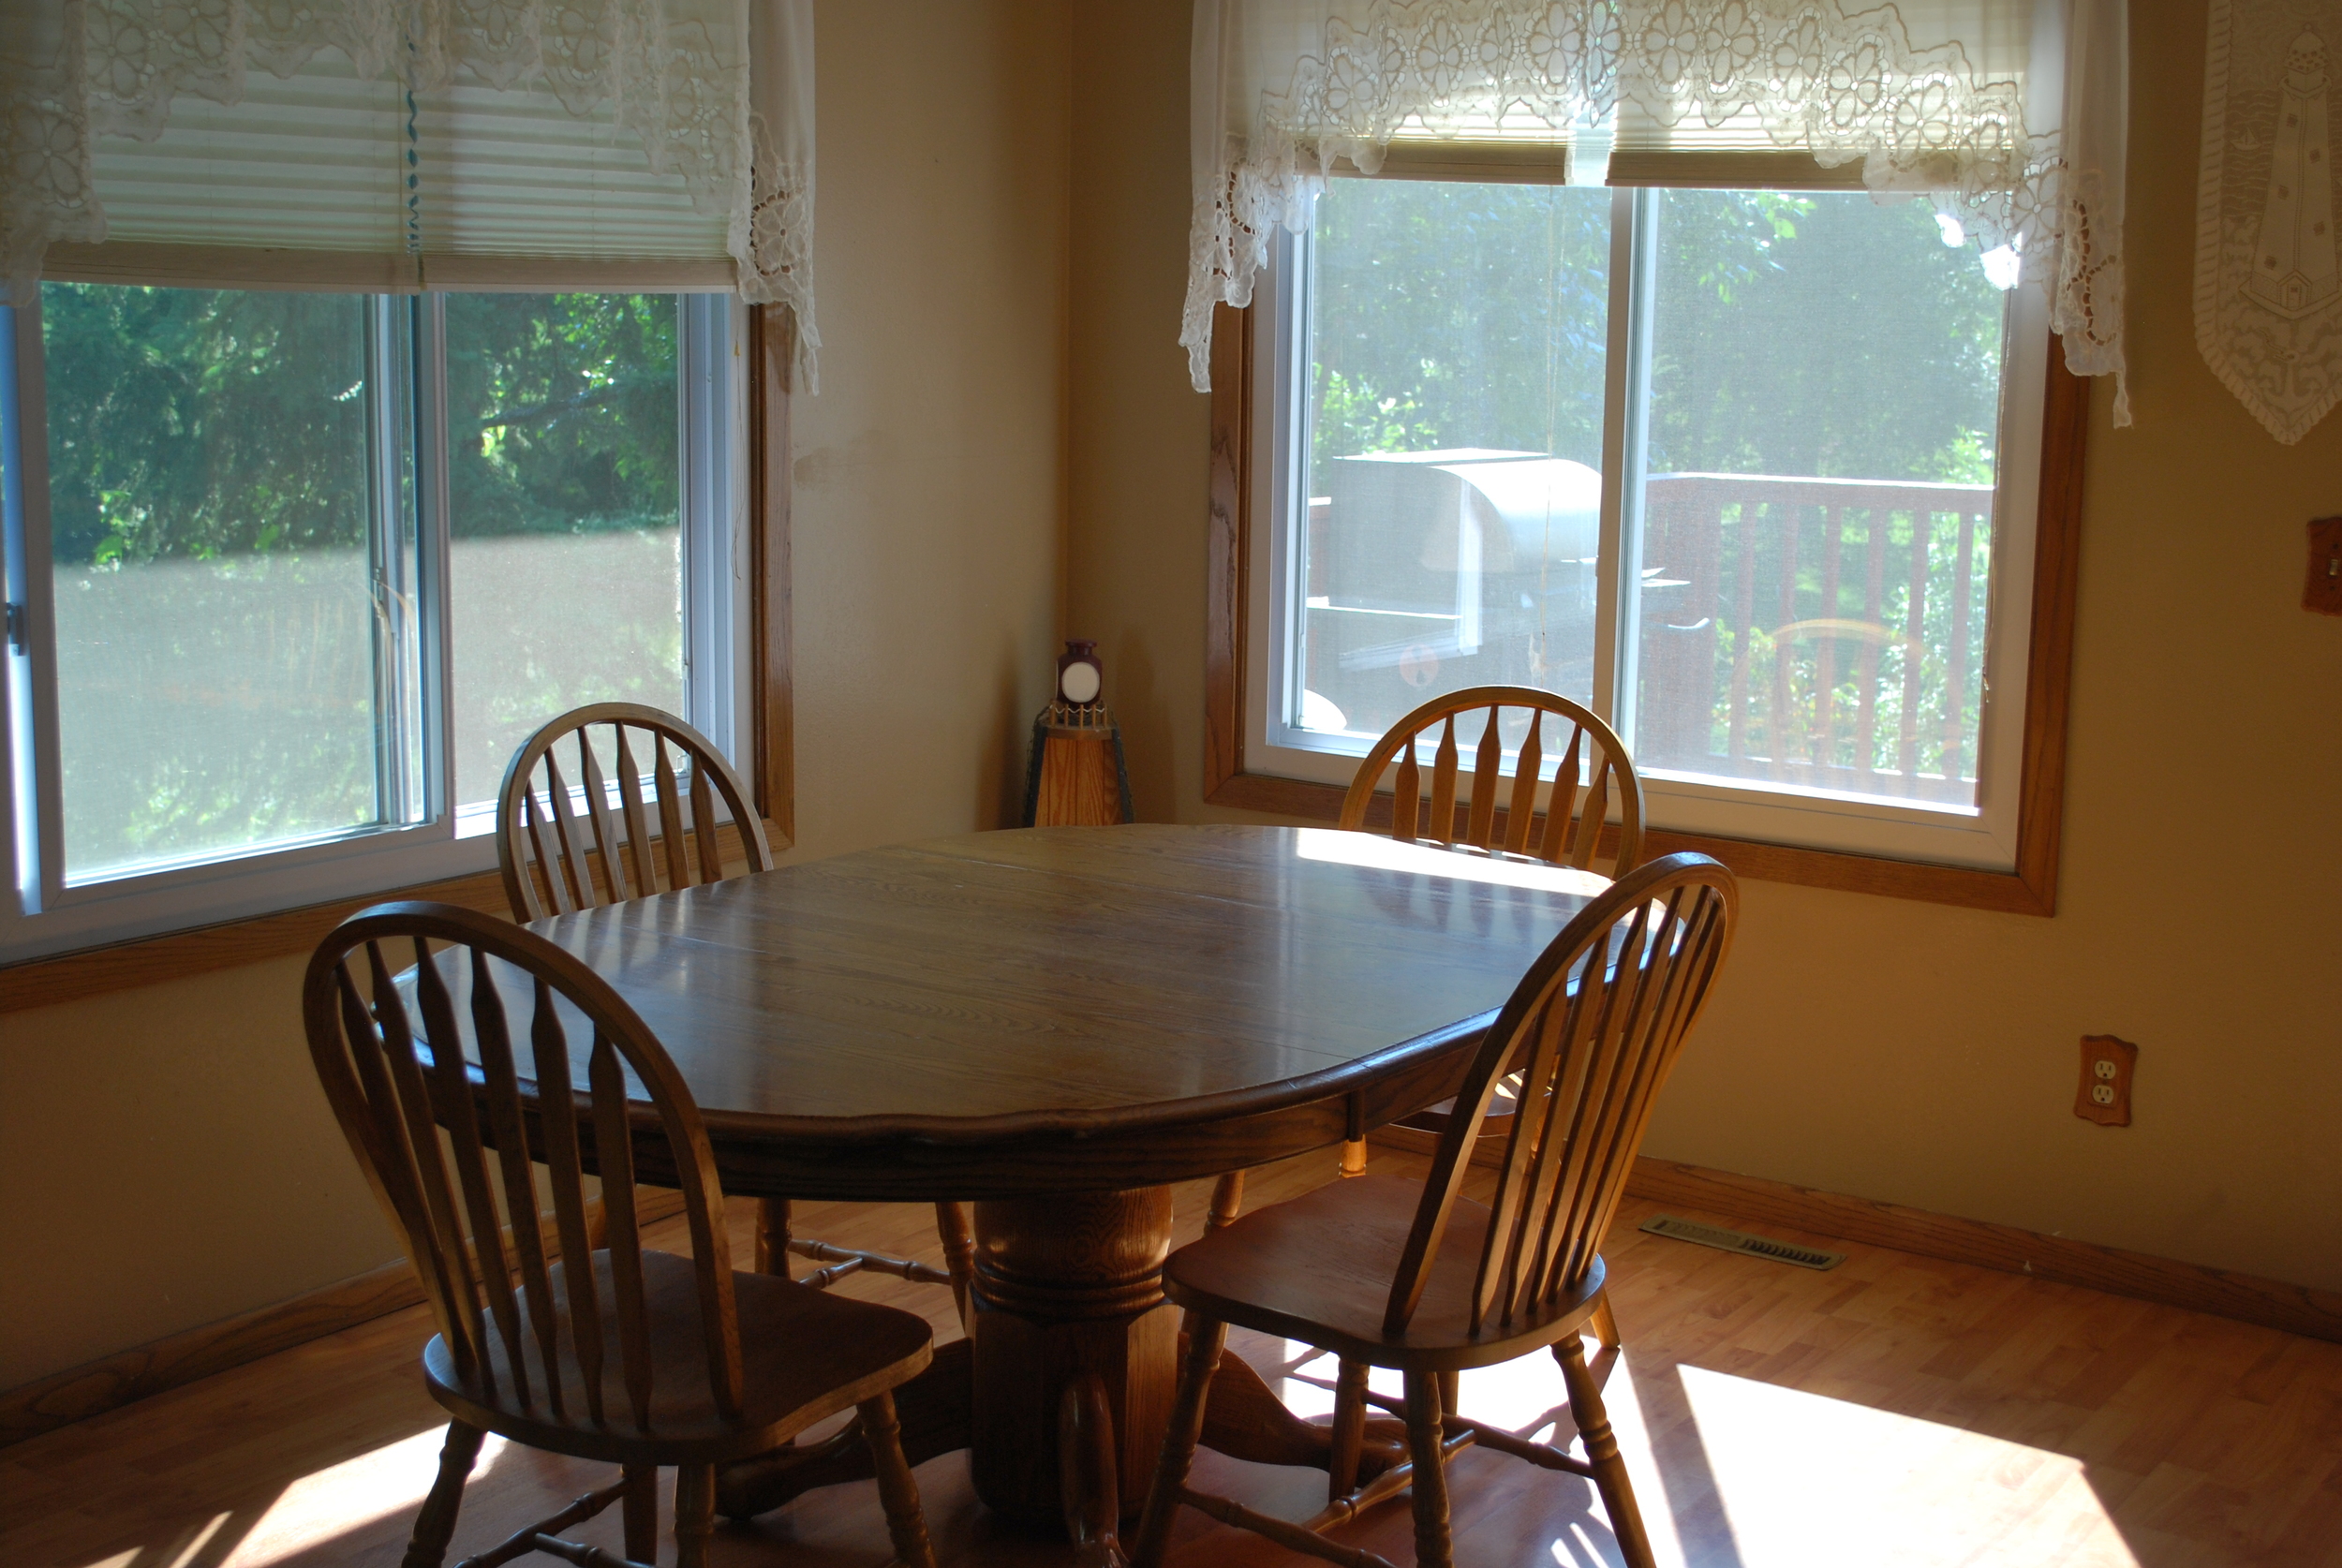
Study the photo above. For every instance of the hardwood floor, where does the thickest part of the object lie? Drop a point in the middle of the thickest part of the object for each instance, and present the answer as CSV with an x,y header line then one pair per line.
x,y
1893,1412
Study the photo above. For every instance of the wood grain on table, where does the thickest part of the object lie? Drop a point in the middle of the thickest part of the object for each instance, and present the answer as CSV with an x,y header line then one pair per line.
x,y
1210,992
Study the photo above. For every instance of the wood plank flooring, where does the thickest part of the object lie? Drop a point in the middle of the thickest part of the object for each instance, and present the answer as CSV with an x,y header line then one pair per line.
x,y
1894,1412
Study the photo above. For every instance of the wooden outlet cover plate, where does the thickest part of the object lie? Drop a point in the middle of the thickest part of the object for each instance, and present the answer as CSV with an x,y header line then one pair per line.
x,y
2123,1057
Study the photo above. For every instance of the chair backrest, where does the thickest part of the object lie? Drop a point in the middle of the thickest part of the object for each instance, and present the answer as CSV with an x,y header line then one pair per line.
x,y
1593,1028
1571,833
542,835
395,1087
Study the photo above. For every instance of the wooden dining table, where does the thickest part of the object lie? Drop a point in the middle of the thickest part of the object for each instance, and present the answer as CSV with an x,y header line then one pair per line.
x,y
1057,1024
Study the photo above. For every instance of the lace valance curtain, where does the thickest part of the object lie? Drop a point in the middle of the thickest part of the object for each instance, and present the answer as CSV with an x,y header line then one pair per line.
x,y
2009,116
405,145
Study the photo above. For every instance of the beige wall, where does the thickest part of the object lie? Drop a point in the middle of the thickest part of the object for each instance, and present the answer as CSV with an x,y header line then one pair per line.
x,y
999,299
164,1155
1898,1050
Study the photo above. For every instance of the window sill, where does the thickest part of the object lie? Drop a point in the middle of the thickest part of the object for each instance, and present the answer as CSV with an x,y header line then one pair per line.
x,y
65,977
2009,893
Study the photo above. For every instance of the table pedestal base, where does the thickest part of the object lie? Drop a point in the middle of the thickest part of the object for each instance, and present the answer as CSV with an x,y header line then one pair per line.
x,y
1065,1392
1068,1289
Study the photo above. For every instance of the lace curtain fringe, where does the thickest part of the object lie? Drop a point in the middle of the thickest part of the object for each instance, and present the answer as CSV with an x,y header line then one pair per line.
x,y
676,74
1843,87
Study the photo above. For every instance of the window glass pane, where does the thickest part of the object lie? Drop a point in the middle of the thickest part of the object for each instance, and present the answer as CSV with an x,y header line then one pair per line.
x,y
563,415
1825,383
223,681
1457,337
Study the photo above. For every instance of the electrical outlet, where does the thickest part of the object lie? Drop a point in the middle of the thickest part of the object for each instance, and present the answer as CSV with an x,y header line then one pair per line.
x,y
2107,1064
2323,593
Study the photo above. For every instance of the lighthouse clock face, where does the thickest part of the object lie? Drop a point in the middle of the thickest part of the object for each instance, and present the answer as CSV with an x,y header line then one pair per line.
x,y
1077,682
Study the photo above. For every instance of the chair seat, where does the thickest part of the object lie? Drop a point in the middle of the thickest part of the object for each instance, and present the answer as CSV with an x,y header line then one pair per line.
x,y
805,1355
1319,1268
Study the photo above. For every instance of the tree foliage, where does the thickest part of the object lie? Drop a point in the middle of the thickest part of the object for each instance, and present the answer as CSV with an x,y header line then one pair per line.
x,y
201,424
197,423
561,413
1817,334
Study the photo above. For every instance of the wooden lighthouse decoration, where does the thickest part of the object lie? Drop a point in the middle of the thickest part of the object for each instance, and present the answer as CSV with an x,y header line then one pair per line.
x,y
1076,775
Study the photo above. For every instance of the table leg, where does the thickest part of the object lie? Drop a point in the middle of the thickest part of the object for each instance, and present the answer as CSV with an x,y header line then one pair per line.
x,y
1071,1327
1086,1475
1070,1287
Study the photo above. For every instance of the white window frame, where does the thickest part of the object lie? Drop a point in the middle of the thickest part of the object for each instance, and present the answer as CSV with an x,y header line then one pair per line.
x,y
41,915
1984,838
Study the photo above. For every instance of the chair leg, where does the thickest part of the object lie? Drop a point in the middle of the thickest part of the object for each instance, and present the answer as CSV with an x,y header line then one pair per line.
x,y
899,1493
1206,1338
640,1509
959,1261
694,1515
1354,1157
1432,1550
772,1237
1604,1323
1450,1392
1349,1431
435,1526
1609,1471
1227,1198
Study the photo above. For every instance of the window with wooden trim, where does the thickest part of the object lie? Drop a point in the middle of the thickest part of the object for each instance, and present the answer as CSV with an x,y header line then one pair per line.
x,y
1773,479
292,574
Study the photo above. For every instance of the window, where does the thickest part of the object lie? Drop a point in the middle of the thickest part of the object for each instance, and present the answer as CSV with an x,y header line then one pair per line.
x,y
1752,472
292,574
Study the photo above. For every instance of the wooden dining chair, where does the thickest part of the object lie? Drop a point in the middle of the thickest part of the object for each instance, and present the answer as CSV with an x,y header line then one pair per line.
x,y
1568,831
562,845
1416,1277
610,1352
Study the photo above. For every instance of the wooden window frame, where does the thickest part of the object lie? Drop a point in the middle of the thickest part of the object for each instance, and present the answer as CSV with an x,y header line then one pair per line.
x,y
2030,887
173,955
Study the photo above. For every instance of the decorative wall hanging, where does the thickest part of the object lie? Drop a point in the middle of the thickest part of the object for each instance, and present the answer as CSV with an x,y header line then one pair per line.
x,y
2268,295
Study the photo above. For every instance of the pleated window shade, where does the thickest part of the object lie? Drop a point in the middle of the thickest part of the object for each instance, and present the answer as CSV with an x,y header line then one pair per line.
x,y
326,180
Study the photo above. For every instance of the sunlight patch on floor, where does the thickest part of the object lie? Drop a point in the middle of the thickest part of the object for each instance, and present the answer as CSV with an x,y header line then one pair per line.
x,y
1734,1472
392,1479
321,1505
1803,1478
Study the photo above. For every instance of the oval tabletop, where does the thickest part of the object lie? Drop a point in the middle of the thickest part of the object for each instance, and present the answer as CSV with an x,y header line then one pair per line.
x,y
1071,1009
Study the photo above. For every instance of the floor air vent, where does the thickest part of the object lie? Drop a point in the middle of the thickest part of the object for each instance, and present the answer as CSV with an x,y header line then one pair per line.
x,y
1734,1241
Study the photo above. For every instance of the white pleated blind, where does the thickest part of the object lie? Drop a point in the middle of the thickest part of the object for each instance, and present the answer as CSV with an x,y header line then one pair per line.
x,y
310,163
511,173
339,181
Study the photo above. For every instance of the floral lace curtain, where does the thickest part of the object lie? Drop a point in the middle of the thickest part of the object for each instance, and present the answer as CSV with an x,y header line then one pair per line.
x,y
717,93
2009,116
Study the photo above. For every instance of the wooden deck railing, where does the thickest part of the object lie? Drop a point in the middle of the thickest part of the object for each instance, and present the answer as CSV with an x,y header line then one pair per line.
x,y
1820,632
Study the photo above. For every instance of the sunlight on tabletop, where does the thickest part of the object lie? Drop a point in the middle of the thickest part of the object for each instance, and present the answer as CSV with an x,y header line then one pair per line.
x,y
1336,847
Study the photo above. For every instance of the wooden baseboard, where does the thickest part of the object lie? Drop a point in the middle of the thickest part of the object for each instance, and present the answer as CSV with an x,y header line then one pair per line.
x,y
128,1376
114,1380
2294,1308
